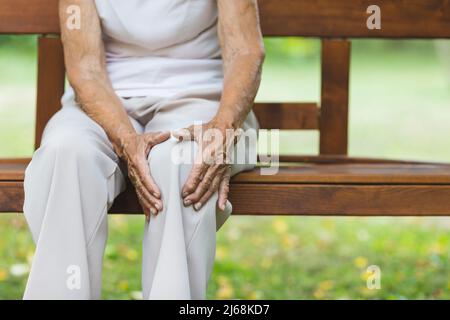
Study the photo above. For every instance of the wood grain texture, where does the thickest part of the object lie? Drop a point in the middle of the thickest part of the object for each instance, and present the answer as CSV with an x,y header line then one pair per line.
x,y
13,169
382,174
342,173
297,199
413,185
347,18
340,200
318,18
344,159
11,196
334,97
50,82
287,115
29,16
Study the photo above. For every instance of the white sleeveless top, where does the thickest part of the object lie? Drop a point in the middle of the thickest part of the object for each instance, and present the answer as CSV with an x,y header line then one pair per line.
x,y
161,47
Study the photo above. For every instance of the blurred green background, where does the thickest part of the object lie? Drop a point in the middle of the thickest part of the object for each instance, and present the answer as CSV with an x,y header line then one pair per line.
x,y
399,108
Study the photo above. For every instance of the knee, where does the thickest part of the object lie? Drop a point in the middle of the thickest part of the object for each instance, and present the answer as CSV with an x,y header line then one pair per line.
x,y
69,146
172,158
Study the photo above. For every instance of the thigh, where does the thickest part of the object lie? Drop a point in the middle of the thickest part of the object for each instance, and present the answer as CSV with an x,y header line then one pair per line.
x,y
180,113
73,125
186,110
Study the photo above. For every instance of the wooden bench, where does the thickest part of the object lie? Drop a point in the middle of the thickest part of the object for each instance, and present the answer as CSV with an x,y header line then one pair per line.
x,y
330,183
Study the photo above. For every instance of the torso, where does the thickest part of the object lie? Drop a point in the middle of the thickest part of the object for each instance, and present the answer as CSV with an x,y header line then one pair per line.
x,y
159,47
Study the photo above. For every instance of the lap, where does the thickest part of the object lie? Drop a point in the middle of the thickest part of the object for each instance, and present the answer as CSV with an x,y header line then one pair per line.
x,y
71,128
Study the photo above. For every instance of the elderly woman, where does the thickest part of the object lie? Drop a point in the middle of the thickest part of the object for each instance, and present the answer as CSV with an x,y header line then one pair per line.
x,y
139,70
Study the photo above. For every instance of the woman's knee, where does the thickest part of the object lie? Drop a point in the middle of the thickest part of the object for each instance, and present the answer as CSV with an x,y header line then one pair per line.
x,y
172,160
72,135
67,144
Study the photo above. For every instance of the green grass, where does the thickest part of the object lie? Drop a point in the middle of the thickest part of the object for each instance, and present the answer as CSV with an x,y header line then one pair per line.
x,y
276,258
400,108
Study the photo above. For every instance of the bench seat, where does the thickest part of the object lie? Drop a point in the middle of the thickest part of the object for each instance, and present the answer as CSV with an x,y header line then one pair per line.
x,y
365,189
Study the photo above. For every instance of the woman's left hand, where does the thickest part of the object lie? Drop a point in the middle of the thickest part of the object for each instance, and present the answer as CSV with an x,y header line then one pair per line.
x,y
211,171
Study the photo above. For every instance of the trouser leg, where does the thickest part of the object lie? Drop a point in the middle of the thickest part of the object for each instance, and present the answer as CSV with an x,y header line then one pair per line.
x,y
179,243
69,185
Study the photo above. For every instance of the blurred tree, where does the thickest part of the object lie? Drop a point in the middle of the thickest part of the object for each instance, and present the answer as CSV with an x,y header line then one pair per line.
x,y
443,51
23,44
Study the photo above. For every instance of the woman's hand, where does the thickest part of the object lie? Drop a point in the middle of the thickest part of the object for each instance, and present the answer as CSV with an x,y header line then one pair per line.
x,y
84,57
134,150
211,171
243,54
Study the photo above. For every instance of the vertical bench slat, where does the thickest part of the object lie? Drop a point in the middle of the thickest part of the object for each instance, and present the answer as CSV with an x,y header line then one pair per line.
x,y
334,97
50,82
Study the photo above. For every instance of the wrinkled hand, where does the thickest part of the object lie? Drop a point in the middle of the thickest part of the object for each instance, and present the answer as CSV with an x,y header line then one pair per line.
x,y
134,151
211,171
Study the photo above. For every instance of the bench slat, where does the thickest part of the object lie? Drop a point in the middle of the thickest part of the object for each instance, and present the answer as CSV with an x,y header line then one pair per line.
x,y
334,97
319,18
29,16
325,189
344,172
50,82
352,174
287,115
340,200
298,199
347,18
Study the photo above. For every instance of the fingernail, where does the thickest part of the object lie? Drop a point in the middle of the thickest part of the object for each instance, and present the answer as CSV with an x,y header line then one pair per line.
x,y
187,202
197,206
153,211
156,194
185,193
157,206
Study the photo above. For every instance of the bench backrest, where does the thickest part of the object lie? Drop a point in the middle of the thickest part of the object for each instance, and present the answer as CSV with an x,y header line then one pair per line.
x,y
334,21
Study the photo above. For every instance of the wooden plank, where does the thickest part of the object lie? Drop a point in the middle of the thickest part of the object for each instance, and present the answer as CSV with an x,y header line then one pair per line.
x,y
344,159
342,173
418,174
50,82
11,196
13,169
340,200
287,115
29,16
347,18
319,18
334,97
292,199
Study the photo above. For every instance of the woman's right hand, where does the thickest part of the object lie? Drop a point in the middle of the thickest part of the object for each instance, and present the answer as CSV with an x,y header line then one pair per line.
x,y
134,150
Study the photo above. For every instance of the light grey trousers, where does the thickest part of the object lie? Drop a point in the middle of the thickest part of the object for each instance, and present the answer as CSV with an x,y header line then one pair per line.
x,y
73,179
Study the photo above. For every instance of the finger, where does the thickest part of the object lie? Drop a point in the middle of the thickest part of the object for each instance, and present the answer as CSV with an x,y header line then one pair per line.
x,y
155,202
142,170
195,177
184,134
145,209
204,184
154,138
146,206
214,186
157,137
224,189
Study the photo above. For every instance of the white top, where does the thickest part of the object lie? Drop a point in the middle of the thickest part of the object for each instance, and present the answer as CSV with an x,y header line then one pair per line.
x,y
161,47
